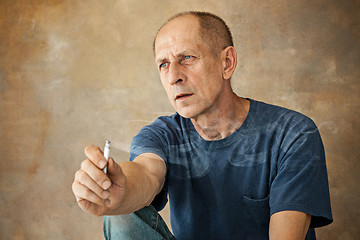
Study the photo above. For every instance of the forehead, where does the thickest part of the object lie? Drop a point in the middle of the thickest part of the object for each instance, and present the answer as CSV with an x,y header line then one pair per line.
x,y
179,35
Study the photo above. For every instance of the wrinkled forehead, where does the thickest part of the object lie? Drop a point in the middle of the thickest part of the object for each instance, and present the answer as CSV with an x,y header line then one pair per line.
x,y
177,31
170,48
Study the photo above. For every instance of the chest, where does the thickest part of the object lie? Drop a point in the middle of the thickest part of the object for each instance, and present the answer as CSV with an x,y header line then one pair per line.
x,y
242,169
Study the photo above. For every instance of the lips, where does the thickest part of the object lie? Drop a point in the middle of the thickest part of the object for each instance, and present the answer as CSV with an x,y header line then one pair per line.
x,y
183,96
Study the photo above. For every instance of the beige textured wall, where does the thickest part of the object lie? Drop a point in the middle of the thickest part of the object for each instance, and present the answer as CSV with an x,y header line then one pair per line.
x,y
79,72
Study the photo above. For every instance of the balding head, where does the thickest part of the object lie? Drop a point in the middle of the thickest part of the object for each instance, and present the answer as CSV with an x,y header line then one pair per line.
x,y
213,31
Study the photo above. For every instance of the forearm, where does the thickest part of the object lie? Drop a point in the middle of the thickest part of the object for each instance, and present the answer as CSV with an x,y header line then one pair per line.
x,y
289,225
140,188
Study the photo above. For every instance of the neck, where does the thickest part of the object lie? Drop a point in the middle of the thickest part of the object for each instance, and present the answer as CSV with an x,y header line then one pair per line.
x,y
220,122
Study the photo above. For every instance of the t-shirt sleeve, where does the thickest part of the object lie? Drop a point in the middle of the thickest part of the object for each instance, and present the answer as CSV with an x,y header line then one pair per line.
x,y
151,140
301,182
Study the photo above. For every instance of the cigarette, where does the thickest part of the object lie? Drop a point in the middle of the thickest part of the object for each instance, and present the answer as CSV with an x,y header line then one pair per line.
x,y
106,153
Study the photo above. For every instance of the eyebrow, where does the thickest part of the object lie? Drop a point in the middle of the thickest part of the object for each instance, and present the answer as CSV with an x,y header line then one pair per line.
x,y
161,60
181,54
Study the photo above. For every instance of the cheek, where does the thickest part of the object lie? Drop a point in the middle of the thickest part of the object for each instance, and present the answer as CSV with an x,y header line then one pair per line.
x,y
162,79
210,85
163,83
167,88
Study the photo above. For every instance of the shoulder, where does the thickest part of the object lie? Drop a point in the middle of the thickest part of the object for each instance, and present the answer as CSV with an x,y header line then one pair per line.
x,y
155,137
280,116
282,126
167,124
171,121
165,128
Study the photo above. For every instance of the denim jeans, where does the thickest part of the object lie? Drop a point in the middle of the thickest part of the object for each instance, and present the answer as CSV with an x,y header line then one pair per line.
x,y
143,224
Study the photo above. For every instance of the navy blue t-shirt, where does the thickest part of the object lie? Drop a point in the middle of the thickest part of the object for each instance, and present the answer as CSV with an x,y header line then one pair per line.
x,y
229,188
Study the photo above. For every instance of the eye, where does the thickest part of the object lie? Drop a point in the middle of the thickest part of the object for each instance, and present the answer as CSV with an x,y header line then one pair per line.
x,y
163,65
187,57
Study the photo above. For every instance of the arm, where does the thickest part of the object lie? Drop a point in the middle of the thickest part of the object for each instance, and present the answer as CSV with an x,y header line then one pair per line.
x,y
127,187
145,179
300,183
289,225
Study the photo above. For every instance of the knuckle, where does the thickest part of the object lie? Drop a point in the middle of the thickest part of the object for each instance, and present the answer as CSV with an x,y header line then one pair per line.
x,y
73,187
87,148
77,174
90,148
99,180
87,193
76,190
84,205
84,164
80,176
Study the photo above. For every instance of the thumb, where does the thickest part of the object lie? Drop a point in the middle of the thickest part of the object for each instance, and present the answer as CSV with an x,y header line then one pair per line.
x,y
115,173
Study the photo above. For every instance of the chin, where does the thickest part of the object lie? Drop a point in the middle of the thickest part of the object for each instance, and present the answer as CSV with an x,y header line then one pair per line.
x,y
184,115
187,113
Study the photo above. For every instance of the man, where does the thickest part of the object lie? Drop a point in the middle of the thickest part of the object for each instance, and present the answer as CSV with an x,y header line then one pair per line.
x,y
233,168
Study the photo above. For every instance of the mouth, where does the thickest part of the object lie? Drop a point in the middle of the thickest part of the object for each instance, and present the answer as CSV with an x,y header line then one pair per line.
x,y
183,96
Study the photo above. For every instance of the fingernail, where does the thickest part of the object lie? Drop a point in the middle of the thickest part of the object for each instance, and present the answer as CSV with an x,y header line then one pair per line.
x,y
107,202
105,194
102,164
106,184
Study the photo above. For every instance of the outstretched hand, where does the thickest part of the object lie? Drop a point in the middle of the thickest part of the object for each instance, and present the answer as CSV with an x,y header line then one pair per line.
x,y
96,192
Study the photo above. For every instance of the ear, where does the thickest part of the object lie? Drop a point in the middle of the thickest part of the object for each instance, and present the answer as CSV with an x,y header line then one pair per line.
x,y
229,59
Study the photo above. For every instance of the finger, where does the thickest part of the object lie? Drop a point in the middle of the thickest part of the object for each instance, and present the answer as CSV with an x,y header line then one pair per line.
x,y
84,179
116,174
96,174
83,193
92,208
96,156
118,186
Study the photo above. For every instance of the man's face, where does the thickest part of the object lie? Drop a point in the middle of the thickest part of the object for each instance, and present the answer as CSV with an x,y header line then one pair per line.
x,y
190,74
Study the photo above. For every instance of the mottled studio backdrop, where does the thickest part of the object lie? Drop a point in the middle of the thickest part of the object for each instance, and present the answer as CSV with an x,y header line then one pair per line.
x,y
74,73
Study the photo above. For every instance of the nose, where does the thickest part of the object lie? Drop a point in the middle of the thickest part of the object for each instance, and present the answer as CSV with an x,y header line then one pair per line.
x,y
176,74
